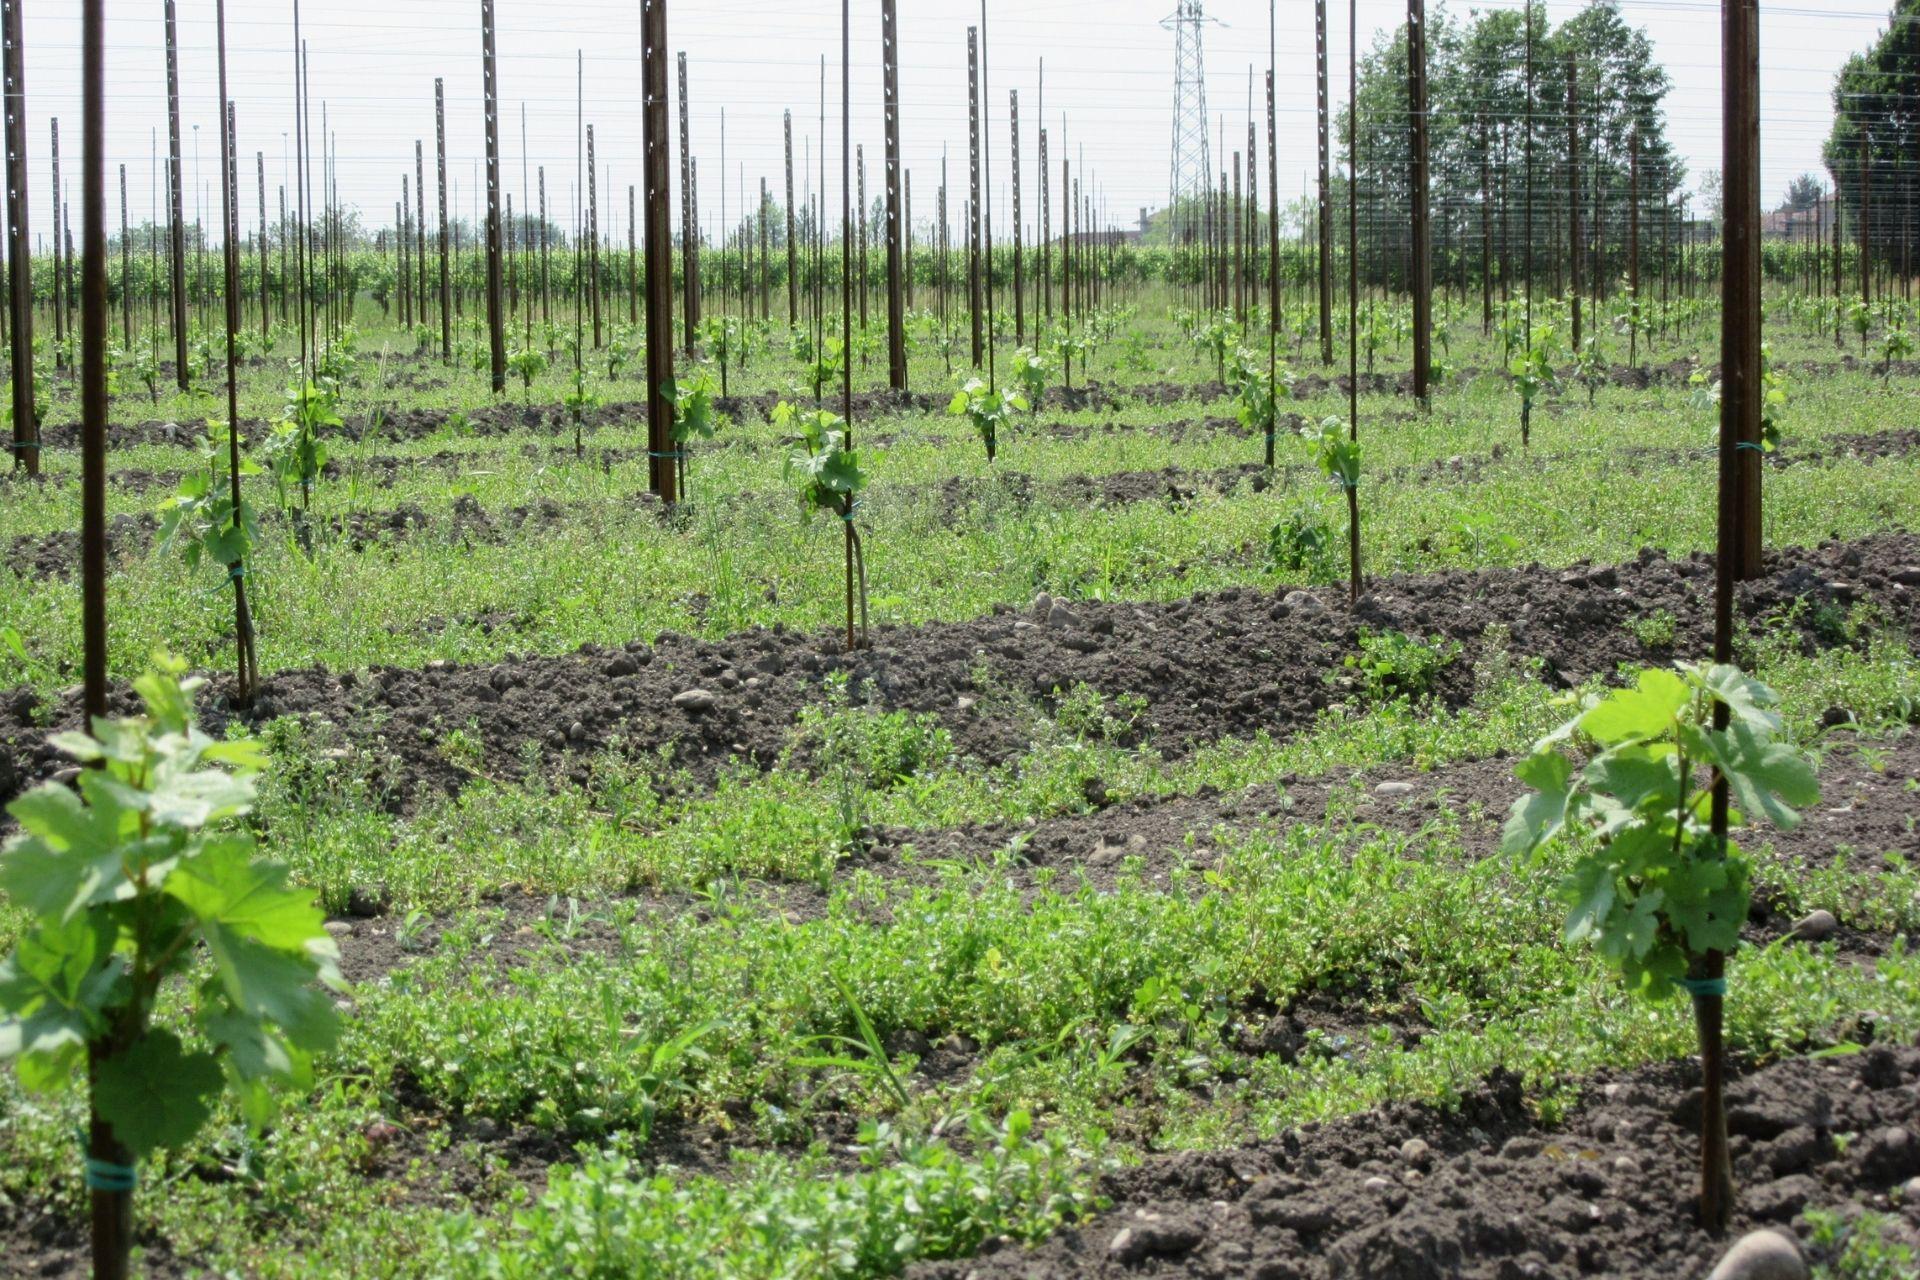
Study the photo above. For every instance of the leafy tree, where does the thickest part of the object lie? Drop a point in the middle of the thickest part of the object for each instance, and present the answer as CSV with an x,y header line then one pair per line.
x,y
1875,141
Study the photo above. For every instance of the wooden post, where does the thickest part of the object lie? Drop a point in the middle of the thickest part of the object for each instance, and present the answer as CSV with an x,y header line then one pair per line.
x,y
659,242
111,1205
1421,282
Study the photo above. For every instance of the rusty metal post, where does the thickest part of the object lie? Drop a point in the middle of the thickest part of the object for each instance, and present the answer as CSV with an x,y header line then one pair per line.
x,y
896,302
177,233
1019,274
659,243
26,428
1573,189
420,232
446,271
266,306
1273,219
1326,184
496,318
593,238
689,229
793,246
973,202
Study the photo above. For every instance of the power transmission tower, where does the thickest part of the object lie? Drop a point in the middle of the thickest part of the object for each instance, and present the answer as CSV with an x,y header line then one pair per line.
x,y
1191,179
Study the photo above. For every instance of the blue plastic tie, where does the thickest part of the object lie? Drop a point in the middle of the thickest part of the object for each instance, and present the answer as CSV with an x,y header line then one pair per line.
x,y
676,453
102,1175
1748,444
1701,988
21,446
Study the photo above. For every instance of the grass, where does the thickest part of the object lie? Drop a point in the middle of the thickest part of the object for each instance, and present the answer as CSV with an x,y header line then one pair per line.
x,y
729,1048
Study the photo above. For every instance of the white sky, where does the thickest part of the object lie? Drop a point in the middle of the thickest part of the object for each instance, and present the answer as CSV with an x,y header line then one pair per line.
x,y
1108,69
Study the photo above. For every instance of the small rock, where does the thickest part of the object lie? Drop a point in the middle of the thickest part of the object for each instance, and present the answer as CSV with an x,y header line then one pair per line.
x,y
965,702
1061,618
908,1041
367,900
1815,926
1042,606
1910,1190
957,1043
1779,1201
339,928
1626,1167
694,701
1415,1152
1907,575
577,732
1794,1151
1304,601
68,776
1888,1155
1762,1255
1378,1183
1159,1239
1391,789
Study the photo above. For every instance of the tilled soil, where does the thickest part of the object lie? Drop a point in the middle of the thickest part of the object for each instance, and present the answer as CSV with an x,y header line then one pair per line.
x,y
1226,664
1486,1192
1866,813
509,414
57,555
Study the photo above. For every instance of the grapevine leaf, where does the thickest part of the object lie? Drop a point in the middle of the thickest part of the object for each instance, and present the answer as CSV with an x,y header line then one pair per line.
x,y
1748,701
1635,775
1645,711
1538,816
273,986
1592,889
1765,777
155,1094
53,986
224,886
73,857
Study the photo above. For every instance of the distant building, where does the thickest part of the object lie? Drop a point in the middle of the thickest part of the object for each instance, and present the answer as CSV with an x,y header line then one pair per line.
x,y
1799,224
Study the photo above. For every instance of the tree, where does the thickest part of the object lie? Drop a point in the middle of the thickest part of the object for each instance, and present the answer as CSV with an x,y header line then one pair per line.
x,y
1711,195
1803,193
1876,128
1480,130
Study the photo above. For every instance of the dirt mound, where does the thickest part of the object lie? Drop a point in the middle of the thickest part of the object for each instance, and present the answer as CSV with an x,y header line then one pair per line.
x,y
1220,665
1484,1192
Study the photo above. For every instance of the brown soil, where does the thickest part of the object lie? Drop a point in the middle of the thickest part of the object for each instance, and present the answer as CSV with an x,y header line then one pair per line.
x,y
1221,665
1487,1192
